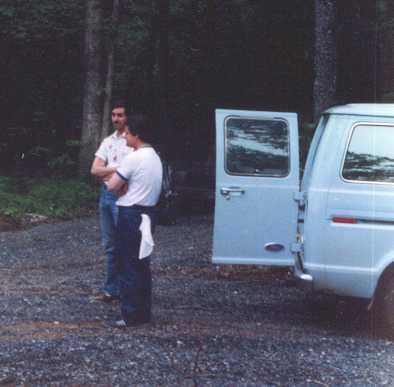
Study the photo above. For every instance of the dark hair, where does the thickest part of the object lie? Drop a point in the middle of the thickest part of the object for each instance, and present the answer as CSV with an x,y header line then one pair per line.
x,y
120,104
140,125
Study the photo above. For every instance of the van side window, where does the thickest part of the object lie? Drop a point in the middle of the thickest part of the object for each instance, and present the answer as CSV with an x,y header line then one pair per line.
x,y
257,147
370,154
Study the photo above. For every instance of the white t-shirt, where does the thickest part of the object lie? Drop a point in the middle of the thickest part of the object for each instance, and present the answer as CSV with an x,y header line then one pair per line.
x,y
143,171
113,150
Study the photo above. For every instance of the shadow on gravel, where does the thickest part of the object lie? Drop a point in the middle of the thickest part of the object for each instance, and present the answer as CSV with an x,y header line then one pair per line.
x,y
344,315
340,315
212,326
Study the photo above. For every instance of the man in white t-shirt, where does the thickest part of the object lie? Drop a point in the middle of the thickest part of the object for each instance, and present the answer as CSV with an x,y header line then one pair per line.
x,y
109,155
141,172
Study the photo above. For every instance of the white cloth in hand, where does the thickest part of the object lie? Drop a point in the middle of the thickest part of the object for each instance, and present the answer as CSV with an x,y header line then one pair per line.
x,y
147,243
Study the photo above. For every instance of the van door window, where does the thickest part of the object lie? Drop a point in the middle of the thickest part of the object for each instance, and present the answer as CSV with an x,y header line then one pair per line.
x,y
257,147
370,154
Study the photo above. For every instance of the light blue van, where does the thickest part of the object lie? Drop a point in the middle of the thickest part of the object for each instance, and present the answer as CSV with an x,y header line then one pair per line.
x,y
336,226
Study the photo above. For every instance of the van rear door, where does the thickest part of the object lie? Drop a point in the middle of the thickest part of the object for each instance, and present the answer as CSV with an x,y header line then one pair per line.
x,y
257,178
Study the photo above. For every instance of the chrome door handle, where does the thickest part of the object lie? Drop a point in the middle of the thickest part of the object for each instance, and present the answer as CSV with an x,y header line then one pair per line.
x,y
227,191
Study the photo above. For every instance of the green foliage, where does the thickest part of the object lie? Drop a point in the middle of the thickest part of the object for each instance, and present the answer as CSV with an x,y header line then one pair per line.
x,y
56,160
54,198
40,20
6,185
38,151
73,143
61,163
249,54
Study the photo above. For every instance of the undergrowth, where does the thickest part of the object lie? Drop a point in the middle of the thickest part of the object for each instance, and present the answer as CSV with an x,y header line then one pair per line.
x,y
54,198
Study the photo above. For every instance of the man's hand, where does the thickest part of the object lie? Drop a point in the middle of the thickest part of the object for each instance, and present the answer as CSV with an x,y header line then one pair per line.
x,y
123,190
100,170
108,177
117,185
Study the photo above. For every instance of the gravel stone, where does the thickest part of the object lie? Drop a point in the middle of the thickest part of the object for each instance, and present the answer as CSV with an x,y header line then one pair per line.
x,y
212,326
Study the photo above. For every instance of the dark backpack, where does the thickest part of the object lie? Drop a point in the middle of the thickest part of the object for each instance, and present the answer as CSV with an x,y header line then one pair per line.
x,y
167,208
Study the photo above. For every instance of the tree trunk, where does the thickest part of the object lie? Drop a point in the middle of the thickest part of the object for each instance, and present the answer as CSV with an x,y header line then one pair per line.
x,y
92,104
210,75
151,62
162,61
357,28
385,74
325,58
110,70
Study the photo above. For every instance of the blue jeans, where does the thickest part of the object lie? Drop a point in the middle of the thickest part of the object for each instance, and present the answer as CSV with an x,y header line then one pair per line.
x,y
135,274
108,220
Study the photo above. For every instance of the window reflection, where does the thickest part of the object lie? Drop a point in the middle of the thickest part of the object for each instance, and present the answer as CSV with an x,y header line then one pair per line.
x,y
370,156
257,147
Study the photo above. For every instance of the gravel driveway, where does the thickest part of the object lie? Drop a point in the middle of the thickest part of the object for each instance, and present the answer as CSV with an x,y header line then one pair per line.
x,y
212,327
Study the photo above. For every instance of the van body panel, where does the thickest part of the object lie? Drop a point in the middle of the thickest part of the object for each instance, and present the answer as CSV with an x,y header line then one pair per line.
x,y
313,148
353,257
343,222
363,109
316,185
255,210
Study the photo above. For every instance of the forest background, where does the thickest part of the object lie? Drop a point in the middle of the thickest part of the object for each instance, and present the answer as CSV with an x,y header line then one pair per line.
x,y
63,62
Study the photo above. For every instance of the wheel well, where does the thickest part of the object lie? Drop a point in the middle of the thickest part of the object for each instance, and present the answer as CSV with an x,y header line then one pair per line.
x,y
381,306
387,273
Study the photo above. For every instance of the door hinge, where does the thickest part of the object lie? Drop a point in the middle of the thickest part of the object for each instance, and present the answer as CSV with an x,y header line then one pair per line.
x,y
297,247
300,198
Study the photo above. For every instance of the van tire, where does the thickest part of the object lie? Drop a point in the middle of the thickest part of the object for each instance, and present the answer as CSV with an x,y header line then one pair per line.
x,y
384,307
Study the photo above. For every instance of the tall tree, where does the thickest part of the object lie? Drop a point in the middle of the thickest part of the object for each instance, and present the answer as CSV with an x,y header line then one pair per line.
x,y
325,56
210,45
151,57
162,62
357,26
92,104
385,38
111,42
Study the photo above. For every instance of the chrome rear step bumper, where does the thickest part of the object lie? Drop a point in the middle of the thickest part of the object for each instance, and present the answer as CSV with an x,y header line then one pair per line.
x,y
303,279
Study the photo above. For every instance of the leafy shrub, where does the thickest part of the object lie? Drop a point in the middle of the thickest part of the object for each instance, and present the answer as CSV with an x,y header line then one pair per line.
x,y
6,184
54,198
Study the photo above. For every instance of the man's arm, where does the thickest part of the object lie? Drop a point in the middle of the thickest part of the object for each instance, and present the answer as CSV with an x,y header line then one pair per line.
x,y
117,185
99,169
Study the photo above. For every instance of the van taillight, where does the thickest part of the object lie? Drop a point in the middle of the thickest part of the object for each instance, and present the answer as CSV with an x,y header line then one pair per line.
x,y
337,219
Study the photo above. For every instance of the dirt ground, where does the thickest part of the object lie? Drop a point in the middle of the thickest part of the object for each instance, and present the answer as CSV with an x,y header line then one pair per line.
x,y
228,326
